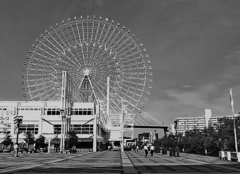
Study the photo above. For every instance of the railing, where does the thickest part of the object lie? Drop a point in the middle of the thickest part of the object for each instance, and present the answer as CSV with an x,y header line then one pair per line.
x,y
230,156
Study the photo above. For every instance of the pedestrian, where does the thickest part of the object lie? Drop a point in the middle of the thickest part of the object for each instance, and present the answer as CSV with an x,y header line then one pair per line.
x,y
109,147
137,148
15,147
145,149
151,149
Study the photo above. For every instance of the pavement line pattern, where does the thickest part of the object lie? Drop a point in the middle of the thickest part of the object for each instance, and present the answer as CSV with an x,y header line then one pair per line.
x,y
21,168
38,165
228,168
196,161
127,165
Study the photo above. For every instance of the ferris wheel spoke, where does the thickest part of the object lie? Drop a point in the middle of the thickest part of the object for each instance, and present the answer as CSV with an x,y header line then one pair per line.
x,y
84,42
122,44
63,52
118,42
63,49
74,47
114,106
69,37
106,35
83,33
98,55
106,50
100,36
79,37
99,85
97,31
110,36
114,39
53,44
92,31
75,38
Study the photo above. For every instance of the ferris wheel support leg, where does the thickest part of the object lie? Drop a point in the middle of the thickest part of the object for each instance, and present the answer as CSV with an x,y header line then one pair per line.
x,y
61,141
108,87
95,134
121,126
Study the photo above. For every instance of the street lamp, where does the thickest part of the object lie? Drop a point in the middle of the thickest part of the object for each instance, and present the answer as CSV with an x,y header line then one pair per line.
x,y
62,111
18,121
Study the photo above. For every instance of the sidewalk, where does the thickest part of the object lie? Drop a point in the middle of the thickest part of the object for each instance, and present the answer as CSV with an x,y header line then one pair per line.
x,y
116,162
186,163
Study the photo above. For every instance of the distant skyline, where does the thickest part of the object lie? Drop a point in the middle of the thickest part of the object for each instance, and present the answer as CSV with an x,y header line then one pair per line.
x,y
193,45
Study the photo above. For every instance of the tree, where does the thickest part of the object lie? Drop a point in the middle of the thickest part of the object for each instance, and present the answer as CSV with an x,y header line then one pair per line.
x,y
72,139
226,133
40,142
8,140
169,141
30,139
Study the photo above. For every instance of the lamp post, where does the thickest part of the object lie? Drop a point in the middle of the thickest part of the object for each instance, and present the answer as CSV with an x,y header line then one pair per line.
x,y
18,121
62,111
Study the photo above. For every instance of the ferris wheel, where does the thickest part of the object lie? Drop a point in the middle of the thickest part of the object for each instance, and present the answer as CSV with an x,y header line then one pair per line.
x,y
96,46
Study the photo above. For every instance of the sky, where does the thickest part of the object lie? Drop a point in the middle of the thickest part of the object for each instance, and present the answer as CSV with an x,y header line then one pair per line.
x,y
193,45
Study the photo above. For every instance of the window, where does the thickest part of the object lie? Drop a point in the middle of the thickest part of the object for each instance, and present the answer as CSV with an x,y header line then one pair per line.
x,y
57,129
53,111
82,111
28,128
82,129
89,112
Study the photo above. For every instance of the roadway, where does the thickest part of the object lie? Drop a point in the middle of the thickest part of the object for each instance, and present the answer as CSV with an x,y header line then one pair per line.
x,y
114,162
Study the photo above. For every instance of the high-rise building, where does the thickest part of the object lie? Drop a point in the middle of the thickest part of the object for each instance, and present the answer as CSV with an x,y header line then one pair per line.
x,y
183,124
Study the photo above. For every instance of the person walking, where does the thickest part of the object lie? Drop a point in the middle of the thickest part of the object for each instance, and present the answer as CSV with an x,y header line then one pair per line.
x,y
145,149
15,147
151,149
137,148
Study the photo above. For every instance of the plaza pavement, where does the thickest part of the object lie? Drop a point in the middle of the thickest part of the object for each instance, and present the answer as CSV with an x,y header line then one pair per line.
x,y
114,162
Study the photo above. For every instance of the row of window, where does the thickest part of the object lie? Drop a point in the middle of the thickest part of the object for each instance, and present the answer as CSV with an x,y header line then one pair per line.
x,y
53,111
58,126
84,112
78,128
28,128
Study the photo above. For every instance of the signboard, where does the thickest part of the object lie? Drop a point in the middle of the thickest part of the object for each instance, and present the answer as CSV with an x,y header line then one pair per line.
x,y
4,119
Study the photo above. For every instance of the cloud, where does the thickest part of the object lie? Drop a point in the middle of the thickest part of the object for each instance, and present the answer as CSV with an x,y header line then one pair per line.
x,y
186,86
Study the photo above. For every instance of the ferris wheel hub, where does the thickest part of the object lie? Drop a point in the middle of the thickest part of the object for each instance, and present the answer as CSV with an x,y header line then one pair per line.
x,y
86,72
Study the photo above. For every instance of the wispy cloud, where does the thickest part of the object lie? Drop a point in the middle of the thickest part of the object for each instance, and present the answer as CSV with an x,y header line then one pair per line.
x,y
186,86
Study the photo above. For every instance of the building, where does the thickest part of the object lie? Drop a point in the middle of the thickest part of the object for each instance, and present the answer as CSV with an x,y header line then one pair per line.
x,y
183,124
45,118
148,136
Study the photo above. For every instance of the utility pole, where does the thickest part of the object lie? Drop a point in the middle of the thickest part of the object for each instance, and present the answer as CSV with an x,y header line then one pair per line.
x,y
18,121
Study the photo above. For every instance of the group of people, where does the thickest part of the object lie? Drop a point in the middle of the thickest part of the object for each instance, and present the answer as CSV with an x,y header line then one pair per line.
x,y
145,147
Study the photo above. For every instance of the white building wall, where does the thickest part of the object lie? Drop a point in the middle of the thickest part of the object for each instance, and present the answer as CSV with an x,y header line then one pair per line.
x,y
34,111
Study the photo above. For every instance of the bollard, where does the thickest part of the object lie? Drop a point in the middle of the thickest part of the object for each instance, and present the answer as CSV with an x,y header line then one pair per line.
x,y
177,152
164,150
171,153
